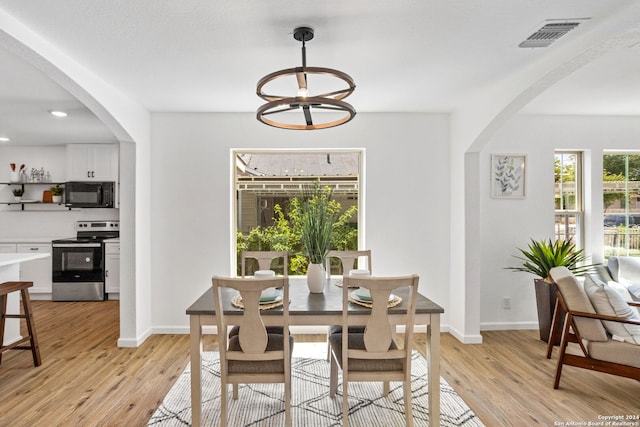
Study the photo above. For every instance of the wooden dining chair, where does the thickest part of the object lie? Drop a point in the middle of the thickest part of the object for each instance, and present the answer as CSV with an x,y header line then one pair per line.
x,y
253,355
375,354
265,259
348,261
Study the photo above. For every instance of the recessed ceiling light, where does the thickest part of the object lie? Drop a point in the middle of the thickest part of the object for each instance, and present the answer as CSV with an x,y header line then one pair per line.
x,y
58,113
4,139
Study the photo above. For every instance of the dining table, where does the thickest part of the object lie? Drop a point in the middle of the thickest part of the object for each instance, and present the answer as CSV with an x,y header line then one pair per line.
x,y
315,309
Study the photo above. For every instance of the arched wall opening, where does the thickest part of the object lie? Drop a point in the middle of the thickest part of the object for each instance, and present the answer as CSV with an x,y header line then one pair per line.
x,y
129,122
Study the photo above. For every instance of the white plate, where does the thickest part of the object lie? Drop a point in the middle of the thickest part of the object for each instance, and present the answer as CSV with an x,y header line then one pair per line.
x,y
355,296
27,201
363,295
277,298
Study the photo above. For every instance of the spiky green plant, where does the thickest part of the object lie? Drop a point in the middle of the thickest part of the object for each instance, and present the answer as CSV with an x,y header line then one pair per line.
x,y
317,217
542,256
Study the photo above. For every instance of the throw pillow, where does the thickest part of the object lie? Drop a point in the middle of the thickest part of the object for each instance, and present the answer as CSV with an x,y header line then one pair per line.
x,y
623,290
608,301
632,288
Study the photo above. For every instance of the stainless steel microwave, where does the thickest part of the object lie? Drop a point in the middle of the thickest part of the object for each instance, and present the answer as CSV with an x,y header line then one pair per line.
x,y
89,194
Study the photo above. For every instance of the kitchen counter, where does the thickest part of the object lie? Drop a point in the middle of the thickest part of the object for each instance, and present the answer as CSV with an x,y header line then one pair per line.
x,y
30,239
10,272
17,258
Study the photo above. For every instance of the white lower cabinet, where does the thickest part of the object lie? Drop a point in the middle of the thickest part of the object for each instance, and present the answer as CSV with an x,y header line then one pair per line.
x,y
37,271
112,269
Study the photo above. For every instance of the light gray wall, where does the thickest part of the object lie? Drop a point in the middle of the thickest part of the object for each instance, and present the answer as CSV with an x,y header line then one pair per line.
x,y
406,155
507,224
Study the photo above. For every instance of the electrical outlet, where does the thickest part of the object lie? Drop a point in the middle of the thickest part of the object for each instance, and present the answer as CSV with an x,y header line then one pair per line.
x,y
506,303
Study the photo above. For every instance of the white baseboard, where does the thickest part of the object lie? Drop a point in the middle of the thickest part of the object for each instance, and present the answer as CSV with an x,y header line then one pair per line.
x,y
507,326
465,339
134,342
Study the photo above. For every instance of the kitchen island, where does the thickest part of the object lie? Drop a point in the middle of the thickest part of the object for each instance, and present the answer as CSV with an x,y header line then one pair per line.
x,y
10,271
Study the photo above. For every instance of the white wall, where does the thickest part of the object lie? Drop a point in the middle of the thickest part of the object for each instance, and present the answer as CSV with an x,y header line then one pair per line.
x,y
507,224
191,210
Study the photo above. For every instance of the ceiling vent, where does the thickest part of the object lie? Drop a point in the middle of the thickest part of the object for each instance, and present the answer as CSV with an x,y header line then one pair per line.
x,y
550,31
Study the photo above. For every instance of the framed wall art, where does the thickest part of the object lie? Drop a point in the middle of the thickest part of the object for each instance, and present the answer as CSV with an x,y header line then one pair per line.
x,y
508,176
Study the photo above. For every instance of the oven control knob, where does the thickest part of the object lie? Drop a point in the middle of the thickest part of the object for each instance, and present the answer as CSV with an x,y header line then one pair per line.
x,y
87,259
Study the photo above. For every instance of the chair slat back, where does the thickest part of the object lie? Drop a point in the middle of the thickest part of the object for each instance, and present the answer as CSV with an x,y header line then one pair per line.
x,y
379,331
264,258
348,260
253,333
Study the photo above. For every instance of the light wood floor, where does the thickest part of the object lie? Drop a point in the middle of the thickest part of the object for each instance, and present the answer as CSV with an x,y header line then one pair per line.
x,y
85,380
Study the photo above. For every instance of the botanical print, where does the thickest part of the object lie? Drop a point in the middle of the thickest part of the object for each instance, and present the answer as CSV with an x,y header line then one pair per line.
x,y
508,176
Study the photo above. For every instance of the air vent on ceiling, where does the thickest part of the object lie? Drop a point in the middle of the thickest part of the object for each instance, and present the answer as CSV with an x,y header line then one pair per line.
x,y
550,31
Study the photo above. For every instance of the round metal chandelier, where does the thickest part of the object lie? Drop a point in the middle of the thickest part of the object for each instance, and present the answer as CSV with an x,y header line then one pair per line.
x,y
277,111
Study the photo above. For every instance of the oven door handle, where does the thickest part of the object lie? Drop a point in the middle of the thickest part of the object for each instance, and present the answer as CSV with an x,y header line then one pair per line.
x,y
76,245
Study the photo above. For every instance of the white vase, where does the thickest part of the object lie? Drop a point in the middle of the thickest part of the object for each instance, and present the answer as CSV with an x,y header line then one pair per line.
x,y
56,199
316,278
15,177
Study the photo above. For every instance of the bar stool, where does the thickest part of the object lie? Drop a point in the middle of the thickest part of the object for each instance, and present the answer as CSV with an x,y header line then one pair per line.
x,y
5,289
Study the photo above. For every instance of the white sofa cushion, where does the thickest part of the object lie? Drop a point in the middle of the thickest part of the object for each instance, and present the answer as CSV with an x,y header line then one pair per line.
x,y
608,301
626,270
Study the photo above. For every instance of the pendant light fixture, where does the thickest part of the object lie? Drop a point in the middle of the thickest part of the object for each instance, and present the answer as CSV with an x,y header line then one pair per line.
x,y
319,110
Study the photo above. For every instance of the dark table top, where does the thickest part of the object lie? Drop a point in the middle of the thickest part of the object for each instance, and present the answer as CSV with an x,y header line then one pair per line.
x,y
302,302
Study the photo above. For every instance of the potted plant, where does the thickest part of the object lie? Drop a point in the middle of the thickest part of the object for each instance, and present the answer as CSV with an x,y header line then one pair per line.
x,y
17,194
538,259
317,217
56,193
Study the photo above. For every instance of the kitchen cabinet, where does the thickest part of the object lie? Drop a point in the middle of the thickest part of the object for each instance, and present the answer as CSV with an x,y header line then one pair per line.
x,y
112,268
37,271
7,248
92,162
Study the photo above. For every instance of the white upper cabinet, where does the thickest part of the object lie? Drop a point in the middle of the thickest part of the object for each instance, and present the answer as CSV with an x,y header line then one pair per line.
x,y
92,162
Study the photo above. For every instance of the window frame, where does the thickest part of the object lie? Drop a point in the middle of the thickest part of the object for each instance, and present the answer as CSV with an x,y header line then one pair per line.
x,y
361,187
578,212
627,236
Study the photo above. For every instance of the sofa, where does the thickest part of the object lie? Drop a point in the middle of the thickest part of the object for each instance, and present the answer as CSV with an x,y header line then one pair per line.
x,y
622,274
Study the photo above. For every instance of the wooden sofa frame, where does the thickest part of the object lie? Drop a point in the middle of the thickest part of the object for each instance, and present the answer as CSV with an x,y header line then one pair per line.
x,y
571,334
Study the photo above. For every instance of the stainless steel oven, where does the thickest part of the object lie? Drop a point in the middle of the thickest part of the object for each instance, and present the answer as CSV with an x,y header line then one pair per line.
x,y
78,262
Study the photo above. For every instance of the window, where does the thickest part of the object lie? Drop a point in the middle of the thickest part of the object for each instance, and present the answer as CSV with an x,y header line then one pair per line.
x,y
568,197
621,201
267,181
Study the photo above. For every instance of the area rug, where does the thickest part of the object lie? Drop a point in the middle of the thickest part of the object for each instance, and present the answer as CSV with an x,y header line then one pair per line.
x,y
263,404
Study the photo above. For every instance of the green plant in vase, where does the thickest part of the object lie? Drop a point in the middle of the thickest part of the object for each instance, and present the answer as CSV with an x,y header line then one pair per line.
x,y
538,259
541,256
56,193
317,218
17,193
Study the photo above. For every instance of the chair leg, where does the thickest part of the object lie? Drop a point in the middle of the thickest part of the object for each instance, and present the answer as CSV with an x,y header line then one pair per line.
x,y
345,401
385,388
287,403
408,405
235,391
563,349
328,345
223,404
31,327
3,311
333,378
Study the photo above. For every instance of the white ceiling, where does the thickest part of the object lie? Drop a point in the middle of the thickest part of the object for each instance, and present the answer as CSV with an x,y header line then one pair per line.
x,y
405,56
